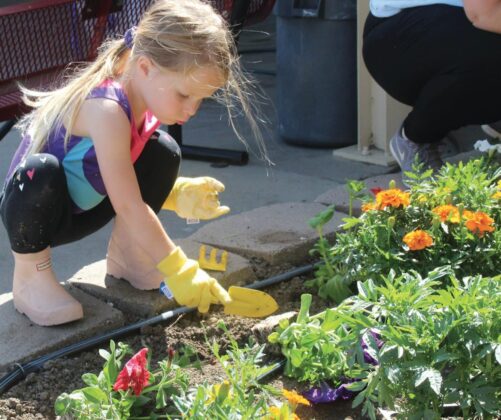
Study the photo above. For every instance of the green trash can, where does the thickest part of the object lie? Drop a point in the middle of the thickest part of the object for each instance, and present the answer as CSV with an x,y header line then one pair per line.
x,y
317,72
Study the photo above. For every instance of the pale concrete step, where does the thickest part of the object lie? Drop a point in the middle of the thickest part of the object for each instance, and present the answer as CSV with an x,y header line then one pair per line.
x,y
277,234
23,341
146,303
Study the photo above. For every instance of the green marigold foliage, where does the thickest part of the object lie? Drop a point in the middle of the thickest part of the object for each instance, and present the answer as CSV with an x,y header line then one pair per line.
x,y
440,345
373,244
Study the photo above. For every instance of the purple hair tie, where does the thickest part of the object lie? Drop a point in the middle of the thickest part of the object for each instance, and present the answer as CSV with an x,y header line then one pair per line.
x,y
129,37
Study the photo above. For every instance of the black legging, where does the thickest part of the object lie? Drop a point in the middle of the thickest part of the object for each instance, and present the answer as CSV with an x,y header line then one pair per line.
x,y
37,210
434,59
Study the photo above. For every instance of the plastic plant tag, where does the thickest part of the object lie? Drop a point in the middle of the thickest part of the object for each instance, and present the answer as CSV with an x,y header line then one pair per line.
x,y
164,290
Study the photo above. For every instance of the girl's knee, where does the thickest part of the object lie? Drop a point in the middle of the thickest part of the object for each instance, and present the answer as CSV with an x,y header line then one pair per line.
x,y
168,145
161,153
41,163
42,171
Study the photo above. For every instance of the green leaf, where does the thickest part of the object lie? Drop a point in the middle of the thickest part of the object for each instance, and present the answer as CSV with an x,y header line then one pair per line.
x,y
62,404
330,320
95,395
369,409
393,374
356,386
321,218
224,391
161,399
349,222
296,357
433,377
104,354
442,356
90,379
359,399
303,314
354,186
141,400
336,289
498,353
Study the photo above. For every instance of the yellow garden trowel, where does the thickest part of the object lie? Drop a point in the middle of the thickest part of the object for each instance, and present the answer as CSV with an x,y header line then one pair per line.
x,y
250,303
246,302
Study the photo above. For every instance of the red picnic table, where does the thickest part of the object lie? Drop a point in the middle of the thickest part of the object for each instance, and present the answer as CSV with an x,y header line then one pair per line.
x,y
39,38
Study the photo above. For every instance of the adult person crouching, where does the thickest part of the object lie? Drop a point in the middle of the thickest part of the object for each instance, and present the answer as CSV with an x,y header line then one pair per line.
x,y
443,58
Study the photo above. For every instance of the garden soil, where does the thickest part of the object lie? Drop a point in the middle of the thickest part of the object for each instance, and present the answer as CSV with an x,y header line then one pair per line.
x,y
34,397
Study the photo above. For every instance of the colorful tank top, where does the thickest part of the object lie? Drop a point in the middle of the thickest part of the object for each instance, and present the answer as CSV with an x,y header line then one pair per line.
x,y
85,184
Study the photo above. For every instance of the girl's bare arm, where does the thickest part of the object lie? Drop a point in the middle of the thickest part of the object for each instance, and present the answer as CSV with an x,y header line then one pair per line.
x,y
109,128
484,14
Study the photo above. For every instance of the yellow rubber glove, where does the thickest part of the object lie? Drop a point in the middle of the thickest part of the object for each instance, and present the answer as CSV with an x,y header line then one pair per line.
x,y
196,198
190,285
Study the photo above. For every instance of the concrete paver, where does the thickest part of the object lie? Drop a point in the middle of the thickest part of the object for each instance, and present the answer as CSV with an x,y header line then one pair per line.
x,y
23,341
340,197
146,303
277,234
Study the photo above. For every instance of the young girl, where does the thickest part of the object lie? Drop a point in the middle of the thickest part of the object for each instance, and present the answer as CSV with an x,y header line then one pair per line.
x,y
91,152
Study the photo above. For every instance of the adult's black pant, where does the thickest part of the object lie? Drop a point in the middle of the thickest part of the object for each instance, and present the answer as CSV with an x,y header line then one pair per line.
x,y
434,59
37,211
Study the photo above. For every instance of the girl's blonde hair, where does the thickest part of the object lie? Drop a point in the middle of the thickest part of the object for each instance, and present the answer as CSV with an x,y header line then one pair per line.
x,y
178,35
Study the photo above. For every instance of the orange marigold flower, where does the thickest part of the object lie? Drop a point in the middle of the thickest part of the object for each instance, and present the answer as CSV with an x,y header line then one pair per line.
x,y
418,239
497,195
369,207
478,222
294,398
447,213
393,197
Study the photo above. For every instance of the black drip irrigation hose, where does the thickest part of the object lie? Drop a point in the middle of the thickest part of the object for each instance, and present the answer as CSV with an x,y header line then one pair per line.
x,y
22,370
278,365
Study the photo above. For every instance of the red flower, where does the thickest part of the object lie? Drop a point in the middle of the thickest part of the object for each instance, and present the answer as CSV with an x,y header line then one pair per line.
x,y
134,375
376,190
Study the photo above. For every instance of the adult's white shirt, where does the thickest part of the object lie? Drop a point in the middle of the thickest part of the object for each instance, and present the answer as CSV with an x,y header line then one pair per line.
x,y
386,8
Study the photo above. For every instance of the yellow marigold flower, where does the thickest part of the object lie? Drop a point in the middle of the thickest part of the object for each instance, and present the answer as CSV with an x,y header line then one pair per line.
x,y
478,222
447,213
418,239
444,190
422,198
294,398
275,414
274,411
497,195
393,197
369,207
